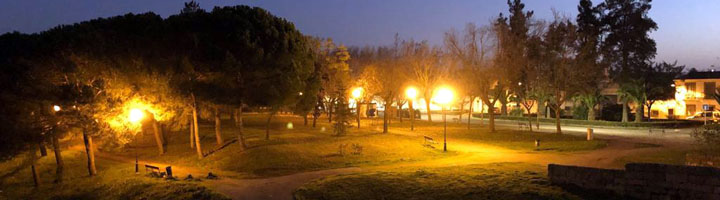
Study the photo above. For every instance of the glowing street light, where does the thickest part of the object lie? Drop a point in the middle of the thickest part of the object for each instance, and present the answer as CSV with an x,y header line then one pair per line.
x,y
411,94
356,94
444,96
136,115
56,108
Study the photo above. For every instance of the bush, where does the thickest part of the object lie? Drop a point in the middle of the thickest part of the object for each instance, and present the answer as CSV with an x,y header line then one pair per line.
x,y
708,135
517,111
580,112
613,112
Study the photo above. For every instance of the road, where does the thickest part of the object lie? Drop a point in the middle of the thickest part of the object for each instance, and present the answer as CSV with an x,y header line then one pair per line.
x,y
670,135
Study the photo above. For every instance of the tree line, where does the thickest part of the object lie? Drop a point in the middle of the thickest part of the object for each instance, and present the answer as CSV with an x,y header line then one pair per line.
x,y
532,62
84,78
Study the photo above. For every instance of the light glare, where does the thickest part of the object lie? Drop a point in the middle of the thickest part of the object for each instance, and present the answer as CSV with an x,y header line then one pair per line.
x,y
357,92
444,95
56,108
136,115
411,93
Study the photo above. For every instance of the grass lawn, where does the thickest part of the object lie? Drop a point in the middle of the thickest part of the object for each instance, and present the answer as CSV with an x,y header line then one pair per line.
x,y
486,181
511,139
115,181
304,148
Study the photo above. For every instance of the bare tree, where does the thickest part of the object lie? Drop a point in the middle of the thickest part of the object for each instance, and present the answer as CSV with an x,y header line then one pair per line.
x,y
473,51
426,66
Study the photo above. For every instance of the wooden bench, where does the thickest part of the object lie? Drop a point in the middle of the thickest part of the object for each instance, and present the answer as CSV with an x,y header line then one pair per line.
x,y
152,168
429,141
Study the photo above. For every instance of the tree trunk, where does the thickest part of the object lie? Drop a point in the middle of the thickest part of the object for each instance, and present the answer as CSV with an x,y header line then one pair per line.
x,y
218,136
462,109
649,109
267,125
470,112
591,113
192,134
482,112
399,112
58,158
305,120
43,150
385,119
639,113
36,178
90,152
314,120
158,138
503,107
557,119
537,120
241,134
541,110
196,129
529,118
330,112
624,112
491,113
35,174
427,105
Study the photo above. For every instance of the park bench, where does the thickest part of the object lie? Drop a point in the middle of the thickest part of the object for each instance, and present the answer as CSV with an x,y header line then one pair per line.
x,y
152,168
429,141
155,171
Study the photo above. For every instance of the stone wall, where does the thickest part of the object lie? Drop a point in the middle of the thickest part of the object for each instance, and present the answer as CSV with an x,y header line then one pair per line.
x,y
643,181
702,159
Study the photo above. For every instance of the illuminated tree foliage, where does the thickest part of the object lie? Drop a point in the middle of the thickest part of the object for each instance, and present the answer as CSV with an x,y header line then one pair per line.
x,y
97,71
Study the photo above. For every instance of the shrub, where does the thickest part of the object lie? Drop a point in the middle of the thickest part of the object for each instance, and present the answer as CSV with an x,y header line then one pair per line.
x,y
613,112
580,112
708,135
517,111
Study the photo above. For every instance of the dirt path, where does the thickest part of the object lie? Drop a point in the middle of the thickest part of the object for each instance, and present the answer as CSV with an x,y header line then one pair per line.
x,y
275,187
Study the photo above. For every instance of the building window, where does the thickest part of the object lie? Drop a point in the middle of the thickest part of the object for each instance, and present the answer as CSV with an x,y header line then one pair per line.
x,y
690,87
690,109
654,113
709,90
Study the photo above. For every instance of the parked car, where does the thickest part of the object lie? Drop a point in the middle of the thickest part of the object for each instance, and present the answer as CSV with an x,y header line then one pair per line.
x,y
706,115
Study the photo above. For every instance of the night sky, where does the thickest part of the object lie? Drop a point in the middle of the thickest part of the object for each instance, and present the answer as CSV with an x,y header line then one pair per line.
x,y
688,30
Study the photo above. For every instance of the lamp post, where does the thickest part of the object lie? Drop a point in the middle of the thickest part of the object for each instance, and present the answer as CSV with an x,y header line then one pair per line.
x,y
357,93
411,93
135,116
444,96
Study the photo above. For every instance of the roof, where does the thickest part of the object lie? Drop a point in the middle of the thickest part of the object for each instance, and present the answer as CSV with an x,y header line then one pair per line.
x,y
701,75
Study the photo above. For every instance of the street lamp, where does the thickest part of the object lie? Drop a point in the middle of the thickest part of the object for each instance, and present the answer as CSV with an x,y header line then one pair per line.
x,y
357,93
411,94
134,116
56,108
444,96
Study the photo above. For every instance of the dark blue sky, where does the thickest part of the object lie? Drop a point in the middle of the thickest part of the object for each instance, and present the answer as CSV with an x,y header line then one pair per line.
x,y
689,31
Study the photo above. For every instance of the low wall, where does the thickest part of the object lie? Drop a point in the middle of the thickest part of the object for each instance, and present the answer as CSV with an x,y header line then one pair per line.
x,y
700,159
643,181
